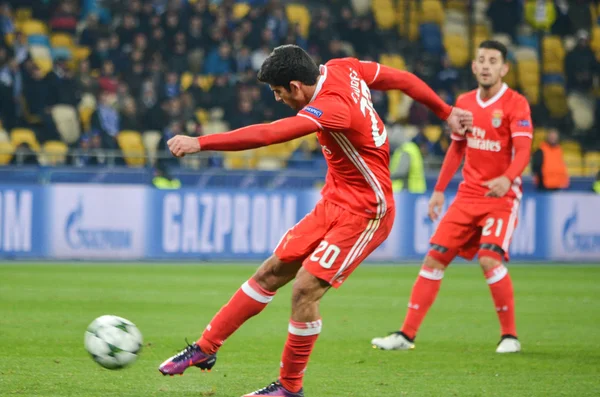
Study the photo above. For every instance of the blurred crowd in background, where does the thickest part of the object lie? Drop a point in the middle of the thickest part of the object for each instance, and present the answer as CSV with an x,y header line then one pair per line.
x,y
81,80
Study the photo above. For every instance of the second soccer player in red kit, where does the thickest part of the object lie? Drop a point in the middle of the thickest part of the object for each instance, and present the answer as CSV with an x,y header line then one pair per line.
x,y
353,218
483,216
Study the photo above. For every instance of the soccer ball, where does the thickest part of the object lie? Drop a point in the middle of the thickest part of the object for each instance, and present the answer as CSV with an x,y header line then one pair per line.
x,y
112,341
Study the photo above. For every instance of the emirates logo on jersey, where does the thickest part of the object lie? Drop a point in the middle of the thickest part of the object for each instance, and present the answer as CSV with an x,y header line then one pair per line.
x,y
477,140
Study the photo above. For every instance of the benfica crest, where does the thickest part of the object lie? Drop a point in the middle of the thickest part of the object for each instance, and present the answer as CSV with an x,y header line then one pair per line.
x,y
497,118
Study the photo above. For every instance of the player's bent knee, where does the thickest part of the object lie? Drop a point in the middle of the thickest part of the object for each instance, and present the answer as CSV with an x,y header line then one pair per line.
x,y
490,255
274,273
308,288
439,257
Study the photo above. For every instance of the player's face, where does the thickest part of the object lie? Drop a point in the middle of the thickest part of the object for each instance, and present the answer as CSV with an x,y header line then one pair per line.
x,y
489,68
294,97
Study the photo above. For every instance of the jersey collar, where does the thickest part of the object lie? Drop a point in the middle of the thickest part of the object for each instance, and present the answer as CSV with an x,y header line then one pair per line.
x,y
322,77
492,100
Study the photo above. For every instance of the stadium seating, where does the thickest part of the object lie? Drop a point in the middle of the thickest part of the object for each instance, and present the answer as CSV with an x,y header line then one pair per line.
x,y
6,152
384,13
150,140
592,163
582,111
432,133
24,135
67,123
53,153
61,40
240,10
555,100
298,13
456,47
132,147
32,26
553,55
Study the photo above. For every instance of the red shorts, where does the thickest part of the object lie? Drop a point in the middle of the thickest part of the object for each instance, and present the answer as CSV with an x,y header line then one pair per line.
x,y
470,223
331,241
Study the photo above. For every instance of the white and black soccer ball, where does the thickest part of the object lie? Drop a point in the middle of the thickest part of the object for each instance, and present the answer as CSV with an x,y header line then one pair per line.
x,y
113,341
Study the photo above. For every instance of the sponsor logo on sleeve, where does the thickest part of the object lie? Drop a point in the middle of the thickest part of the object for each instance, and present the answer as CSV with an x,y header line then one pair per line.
x,y
524,123
313,110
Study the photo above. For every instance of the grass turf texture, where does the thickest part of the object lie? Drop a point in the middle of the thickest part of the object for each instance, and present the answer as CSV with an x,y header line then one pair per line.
x,y
45,309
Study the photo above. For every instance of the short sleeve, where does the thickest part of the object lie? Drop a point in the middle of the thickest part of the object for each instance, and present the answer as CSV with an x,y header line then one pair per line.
x,y
520,119
328,113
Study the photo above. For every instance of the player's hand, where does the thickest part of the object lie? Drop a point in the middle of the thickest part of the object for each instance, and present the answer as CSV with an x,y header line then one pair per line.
x,y
460,120
180,145
498,186
436,202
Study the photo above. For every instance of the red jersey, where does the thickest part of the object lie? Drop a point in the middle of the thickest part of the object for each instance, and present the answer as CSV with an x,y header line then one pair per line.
x,y
489,149
353,138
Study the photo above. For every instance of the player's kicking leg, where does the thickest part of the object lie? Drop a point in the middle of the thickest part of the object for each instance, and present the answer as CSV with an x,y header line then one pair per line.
x,y
248,301
423,295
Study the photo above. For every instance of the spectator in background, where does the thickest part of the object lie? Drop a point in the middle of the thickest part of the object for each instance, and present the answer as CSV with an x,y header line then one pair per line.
x,y
108,80
106,121
407,169
171,86
195,34
506,15
20,48
129,115
596,186
540,14
11,89
24,155
100,53
548,164
165,161
7,26
440,147
62,84
65,18
85,82
562,26
219,60
448,79
89,151
580,14
91,33
581,65
39,100
178,61
334,50
127,30
307,156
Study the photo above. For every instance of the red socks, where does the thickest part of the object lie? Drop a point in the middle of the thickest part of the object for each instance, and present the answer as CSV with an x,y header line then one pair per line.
x,y
423,294
300,342
502,292
247,302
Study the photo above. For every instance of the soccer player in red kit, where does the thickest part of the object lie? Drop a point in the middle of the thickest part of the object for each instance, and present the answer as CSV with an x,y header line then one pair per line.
x,y
355,214
483,216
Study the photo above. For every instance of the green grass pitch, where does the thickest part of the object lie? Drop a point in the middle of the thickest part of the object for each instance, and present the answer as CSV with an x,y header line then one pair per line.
x,y
46,307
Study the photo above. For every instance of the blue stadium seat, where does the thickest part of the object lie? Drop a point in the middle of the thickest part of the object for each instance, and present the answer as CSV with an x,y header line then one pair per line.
x,y
553,79
528,41
431,38
61,52
38,39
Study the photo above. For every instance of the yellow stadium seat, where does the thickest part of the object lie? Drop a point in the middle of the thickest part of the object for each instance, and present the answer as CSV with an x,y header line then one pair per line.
x,y
205,82
553,55
81,53
202,116
299,14
23,14
67,123
460,5
591,161
132,146
571,147
456,47
539,136
6,152
61,40
393,60
433,133
574,163
24,135
482,30
150,140
9,38
186,80
272,157
239,160
33,26
595,38
511,77
54,153
45,65
384,13
555,100
432,11
85,115
477,40
240,10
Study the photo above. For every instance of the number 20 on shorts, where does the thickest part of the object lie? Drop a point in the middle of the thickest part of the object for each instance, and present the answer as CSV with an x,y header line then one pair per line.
x,y
325,254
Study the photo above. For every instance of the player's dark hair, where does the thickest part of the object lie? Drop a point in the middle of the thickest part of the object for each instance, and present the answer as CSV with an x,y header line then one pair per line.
x,y
495,45
288,63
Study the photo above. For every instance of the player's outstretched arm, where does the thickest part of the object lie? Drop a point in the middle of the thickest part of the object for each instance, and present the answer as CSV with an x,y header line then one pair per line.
x,y
393,79
251,137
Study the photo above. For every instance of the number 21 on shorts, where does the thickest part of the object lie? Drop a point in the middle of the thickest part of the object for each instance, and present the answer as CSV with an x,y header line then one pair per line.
x,y
325,254
492,225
